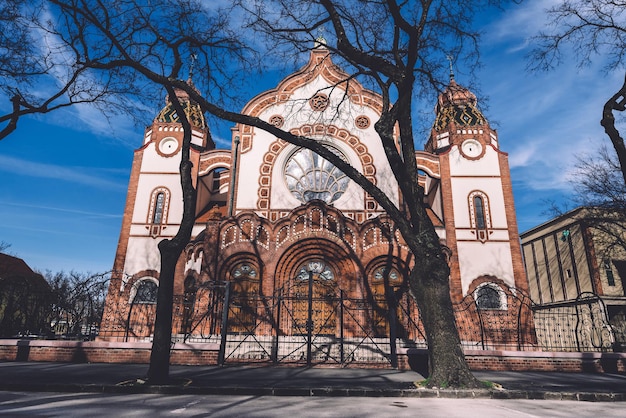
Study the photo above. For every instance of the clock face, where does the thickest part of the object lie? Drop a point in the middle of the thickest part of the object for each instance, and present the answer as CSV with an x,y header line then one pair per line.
x,y
471,148
168,146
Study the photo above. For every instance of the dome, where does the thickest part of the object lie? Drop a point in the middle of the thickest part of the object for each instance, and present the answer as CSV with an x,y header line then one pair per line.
x,y
457,104
194,112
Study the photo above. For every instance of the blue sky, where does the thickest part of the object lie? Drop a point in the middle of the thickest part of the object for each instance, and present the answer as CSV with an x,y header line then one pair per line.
x,y
63,176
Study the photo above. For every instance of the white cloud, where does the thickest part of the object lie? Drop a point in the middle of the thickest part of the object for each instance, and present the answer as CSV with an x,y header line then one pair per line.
x,y
17,166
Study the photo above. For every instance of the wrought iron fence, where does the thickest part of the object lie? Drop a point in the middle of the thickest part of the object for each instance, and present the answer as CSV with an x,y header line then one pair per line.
x,y
302,327
580,325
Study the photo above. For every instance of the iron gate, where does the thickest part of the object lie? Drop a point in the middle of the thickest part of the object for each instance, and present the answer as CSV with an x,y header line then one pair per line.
x,y
309,322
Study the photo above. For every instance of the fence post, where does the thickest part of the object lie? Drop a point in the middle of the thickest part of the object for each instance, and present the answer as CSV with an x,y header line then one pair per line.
x,y
309,322
341,336
222,353
391,314
277,327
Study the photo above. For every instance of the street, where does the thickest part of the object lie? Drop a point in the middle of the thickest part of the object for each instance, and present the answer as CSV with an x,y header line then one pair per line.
x,y
40,404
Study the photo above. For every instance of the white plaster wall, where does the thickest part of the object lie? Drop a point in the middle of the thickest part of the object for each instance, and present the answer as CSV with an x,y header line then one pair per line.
x,y
147,183
297,112
153,162
488,165
142,254
249,170
489,258
492,187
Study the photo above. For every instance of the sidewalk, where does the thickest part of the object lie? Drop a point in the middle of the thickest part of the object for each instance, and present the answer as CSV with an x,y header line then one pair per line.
x,y
285,381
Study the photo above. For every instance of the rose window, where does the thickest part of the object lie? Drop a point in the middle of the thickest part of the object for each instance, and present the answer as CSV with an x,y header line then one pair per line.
x,y
309,177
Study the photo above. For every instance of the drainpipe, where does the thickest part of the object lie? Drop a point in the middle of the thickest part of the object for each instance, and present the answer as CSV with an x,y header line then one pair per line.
x,y
233,176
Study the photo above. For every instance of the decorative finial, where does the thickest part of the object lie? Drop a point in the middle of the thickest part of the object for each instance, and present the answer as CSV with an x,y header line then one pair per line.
x,y
320,41
450,58
193,58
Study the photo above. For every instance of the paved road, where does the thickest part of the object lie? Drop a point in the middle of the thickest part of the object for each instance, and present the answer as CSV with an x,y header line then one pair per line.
x,y
36,404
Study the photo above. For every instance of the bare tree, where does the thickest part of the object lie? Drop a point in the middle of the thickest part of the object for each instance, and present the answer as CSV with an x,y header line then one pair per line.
x,y
77,302
599,188
590,29
398,49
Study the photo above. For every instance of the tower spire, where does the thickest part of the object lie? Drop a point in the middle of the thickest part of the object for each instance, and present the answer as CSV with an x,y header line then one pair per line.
x,y
450,58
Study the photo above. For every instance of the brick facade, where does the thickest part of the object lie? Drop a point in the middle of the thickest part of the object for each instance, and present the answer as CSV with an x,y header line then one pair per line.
x,y
206,354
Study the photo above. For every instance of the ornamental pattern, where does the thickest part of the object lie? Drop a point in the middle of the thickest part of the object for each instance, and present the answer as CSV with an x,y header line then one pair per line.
x,y
362,122
319,102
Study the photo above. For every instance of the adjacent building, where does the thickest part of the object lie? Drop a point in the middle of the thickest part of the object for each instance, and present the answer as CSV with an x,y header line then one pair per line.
x,y
576,262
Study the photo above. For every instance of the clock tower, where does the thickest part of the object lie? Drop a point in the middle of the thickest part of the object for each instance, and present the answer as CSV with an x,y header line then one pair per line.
x,y
477,197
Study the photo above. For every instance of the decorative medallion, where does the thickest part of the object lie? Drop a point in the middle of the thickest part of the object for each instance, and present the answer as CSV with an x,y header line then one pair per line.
x,y
362,122
319,102
277,120
244,270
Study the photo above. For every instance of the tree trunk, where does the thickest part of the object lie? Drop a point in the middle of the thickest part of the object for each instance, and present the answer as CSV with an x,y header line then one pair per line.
x,y
170,250
158,373
446,362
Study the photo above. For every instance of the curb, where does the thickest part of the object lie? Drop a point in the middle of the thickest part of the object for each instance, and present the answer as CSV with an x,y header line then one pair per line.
x,y
322,391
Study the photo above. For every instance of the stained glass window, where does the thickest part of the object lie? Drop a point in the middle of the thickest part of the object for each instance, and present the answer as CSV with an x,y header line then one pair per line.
x,y
319,269
310,177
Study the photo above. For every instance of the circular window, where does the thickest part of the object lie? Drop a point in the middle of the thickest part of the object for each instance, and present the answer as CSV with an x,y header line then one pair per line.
x,y
319,102
309,177
168,146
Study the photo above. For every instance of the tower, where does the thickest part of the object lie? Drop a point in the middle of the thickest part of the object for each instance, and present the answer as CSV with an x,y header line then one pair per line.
x,y
154,207
476,196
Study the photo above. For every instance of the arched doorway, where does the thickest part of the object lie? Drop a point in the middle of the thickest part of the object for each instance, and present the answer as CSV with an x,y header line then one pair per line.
x,y
308,305
313,293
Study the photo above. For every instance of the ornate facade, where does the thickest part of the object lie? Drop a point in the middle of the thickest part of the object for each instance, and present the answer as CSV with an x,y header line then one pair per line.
x,y
275,220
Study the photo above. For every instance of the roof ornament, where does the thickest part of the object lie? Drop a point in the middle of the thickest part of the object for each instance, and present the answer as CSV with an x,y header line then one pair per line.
x,y
450,58
193,57
320,41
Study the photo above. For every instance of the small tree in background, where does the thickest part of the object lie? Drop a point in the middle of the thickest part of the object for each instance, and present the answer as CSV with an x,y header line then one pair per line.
x,y
77,303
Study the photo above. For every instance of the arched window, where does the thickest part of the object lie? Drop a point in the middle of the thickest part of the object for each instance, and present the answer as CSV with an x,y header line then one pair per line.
x,y
157,215
145,292
490,296
479,209
479,215
189,300
158,209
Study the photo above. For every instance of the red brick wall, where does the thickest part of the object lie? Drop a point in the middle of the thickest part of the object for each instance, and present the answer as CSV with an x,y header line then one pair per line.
x,y
206,354
540,361
102,352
